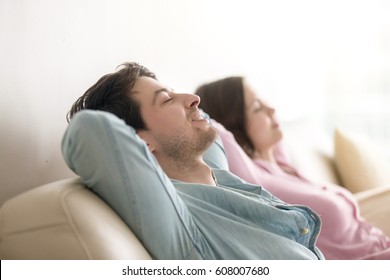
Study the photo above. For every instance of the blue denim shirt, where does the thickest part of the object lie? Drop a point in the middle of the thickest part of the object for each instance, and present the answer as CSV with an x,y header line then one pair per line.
x,y
178,220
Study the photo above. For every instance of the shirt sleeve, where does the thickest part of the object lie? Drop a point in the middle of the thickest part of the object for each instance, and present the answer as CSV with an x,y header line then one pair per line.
x,y
238,161
116,164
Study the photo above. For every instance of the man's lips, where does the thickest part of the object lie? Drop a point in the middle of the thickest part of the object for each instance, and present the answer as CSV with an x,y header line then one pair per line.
x,y
197,116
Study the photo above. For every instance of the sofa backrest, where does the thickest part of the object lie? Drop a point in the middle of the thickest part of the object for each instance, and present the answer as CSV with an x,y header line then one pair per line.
x,y
310,149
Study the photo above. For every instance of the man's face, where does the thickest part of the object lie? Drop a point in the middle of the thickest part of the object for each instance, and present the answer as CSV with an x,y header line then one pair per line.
x,y
176,127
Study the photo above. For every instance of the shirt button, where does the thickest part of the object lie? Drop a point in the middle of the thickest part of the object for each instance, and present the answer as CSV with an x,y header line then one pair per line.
x,y
305,230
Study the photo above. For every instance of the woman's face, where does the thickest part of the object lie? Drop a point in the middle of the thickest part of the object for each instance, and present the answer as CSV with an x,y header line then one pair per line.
x,y
261,125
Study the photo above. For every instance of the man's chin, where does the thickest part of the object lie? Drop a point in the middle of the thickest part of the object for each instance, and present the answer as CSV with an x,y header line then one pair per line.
x,y
208,137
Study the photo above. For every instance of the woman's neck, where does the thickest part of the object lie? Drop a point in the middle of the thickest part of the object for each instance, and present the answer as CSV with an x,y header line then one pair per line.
x,y
267,155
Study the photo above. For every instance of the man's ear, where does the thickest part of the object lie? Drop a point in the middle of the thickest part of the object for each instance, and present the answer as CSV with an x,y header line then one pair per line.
x,y
147,137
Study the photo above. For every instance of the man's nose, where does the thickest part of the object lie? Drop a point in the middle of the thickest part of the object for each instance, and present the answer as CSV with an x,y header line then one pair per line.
x,y
191,100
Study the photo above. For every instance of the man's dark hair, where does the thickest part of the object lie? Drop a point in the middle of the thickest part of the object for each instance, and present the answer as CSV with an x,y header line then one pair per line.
x,y
112,93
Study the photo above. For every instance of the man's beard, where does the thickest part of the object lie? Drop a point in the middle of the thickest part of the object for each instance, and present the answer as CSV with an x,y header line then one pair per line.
x,y
185,150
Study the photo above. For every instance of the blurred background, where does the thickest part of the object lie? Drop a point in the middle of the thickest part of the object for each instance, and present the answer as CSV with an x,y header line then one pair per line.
x,y
327,61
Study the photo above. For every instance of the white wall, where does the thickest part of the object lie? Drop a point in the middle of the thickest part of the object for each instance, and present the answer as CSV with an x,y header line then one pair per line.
x,y
51,51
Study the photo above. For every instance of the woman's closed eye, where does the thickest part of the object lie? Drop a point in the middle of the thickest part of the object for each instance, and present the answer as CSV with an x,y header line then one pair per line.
x,y
257,106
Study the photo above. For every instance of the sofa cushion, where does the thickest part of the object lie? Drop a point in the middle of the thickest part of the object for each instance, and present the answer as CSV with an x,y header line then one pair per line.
x,y
64,220
359,162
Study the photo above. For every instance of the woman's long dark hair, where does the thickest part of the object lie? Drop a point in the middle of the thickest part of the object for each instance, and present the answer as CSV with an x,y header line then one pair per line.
x,y
224,101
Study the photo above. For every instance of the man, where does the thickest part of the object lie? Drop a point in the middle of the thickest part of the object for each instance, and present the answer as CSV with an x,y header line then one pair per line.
x,y
178,206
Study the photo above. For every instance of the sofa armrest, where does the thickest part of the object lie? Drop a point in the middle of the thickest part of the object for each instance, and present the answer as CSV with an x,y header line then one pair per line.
x,y
374,207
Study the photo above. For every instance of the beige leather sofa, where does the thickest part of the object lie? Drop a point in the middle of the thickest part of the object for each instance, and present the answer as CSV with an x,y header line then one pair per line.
x,y
65,220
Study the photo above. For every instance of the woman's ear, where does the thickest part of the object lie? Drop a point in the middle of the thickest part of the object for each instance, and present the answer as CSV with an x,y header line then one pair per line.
x,y
147,137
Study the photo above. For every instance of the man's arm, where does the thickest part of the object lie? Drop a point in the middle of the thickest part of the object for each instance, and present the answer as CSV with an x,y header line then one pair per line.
x,y
116,164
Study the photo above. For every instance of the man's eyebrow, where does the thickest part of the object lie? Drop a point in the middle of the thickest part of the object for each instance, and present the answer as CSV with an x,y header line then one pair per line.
x,y
158,92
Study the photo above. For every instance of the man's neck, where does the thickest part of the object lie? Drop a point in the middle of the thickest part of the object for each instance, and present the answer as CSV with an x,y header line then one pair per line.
x,y
194,171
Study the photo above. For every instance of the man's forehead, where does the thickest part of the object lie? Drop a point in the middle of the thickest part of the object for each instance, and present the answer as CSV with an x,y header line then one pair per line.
x,y
146,84
147,89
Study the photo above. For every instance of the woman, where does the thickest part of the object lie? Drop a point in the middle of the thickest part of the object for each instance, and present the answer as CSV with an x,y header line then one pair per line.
x,y
251,123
